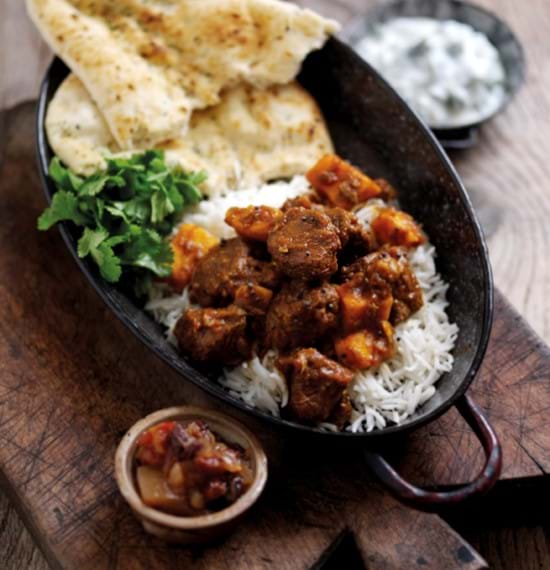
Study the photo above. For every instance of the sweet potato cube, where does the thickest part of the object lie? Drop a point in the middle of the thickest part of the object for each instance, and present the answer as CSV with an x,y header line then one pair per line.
x,y
342,184
353,306
360,305
394,227
366,348
189,245
253,222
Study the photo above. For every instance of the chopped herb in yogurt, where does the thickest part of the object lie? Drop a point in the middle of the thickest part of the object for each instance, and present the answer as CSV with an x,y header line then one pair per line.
x,y
450,73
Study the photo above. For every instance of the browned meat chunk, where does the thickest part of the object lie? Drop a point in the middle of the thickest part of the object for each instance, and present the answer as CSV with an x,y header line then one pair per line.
x,y
353,235
345,222
305,244
400,312
389,267
302,201
408,297
254,299
317,384
341,414
265,273
224,269
214,336
300,315
253,222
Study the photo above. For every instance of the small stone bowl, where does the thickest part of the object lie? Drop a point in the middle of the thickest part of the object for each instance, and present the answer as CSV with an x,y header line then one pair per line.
x,y
499,33
203,528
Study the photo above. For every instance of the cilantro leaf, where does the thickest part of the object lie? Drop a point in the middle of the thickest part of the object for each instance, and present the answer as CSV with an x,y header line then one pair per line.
x,y
125,164
127,212
136,210
64,178
64,207
93,185
117,212
97,244
91,240
148,250
116,240
161,206
108,262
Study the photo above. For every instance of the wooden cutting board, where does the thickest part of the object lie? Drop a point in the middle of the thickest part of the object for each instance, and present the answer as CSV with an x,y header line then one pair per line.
x,y
73,379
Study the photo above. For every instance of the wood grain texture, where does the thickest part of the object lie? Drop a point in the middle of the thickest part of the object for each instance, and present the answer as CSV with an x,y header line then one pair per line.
x,y
524,547
72,380
514,389
17,548
507,174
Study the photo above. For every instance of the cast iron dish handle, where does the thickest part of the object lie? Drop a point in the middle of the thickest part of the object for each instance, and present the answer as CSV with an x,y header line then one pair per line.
x,y
433,500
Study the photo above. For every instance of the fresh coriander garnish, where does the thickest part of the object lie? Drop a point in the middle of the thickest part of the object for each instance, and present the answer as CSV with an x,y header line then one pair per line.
x,y
126,212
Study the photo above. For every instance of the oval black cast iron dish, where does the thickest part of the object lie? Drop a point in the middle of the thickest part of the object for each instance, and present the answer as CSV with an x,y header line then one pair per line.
x,y
373,128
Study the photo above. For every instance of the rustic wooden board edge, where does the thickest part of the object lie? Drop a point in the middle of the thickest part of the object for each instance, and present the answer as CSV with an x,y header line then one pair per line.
x,y
28,520
519,133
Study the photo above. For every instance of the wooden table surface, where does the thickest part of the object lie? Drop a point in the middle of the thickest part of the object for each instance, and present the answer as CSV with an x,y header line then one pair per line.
x,y
506,175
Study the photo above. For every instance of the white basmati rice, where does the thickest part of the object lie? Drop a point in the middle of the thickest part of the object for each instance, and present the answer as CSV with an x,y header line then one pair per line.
x,y
386,395
392,392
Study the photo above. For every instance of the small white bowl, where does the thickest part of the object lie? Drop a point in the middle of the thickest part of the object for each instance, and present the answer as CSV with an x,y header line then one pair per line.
x,y
203,528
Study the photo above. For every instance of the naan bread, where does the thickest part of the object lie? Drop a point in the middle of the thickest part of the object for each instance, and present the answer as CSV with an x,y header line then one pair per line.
x,y
252,136
273,133
149,63
76,129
